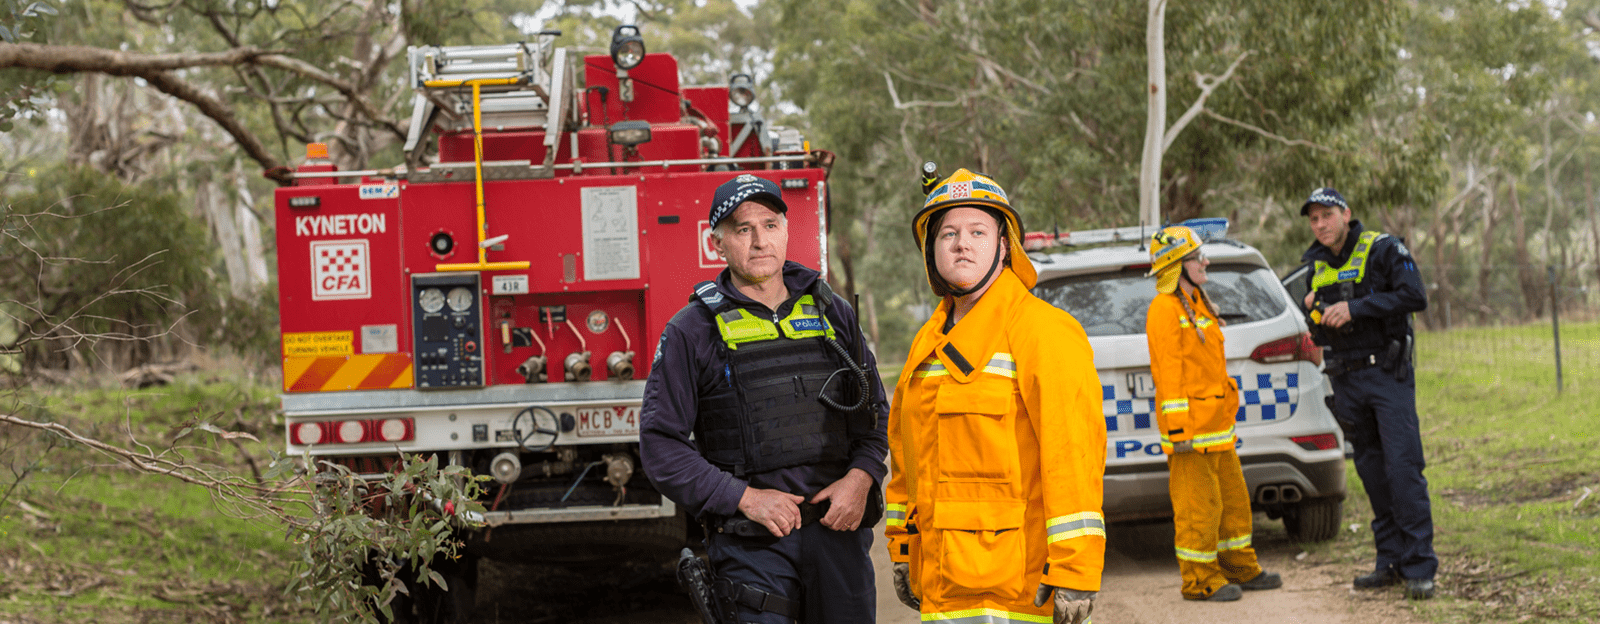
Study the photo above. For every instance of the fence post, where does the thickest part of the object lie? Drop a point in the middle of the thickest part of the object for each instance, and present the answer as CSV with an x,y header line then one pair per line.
x,y
1555,323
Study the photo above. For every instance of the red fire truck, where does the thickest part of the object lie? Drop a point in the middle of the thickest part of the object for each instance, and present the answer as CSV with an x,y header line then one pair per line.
x,y
496,300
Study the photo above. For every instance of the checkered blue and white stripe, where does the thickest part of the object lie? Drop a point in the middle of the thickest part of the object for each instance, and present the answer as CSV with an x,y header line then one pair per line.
x,y
1263,397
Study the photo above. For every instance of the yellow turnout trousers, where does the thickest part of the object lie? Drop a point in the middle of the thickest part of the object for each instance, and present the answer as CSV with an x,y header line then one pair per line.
x,y
1211,512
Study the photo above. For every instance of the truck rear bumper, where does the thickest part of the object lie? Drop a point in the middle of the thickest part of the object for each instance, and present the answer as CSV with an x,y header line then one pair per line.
x,y
580,514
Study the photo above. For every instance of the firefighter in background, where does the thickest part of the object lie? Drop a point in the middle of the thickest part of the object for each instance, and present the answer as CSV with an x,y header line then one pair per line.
x,y
1197,402
997,441
768,351
1364,286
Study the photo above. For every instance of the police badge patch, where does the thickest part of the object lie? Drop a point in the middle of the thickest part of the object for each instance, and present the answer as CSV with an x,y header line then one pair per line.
x,y
745,179
1401,247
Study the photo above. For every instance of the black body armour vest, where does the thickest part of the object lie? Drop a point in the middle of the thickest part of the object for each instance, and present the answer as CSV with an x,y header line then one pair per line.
x,y
763,414
1348,282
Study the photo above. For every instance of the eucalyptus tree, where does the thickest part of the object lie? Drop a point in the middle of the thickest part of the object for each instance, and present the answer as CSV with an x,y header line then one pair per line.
x,y
1050,98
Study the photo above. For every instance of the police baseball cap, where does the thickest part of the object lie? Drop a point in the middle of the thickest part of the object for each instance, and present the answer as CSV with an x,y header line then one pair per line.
x,y
1325,196
745,188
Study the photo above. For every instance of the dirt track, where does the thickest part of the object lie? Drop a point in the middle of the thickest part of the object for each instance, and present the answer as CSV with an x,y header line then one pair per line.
x,y
1141,587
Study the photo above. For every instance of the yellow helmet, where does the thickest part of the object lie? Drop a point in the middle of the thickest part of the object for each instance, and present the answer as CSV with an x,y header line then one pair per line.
x,y
1167,250
965,188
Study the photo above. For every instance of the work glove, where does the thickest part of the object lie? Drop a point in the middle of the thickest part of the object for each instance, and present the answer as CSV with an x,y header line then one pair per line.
x,y
1072,606
902,586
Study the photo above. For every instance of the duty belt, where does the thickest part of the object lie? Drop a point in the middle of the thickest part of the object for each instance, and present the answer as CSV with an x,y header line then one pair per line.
x,y
744,527
1336,367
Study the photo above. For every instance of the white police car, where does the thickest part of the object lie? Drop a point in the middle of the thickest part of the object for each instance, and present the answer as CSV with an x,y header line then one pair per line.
x,y
1289,444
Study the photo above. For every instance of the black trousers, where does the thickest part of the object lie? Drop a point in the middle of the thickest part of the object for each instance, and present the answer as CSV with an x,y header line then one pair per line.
x,y
828,572
1378,414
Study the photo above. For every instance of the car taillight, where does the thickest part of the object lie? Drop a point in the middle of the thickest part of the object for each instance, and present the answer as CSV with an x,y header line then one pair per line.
x,y
1289,349
354,431
1319,442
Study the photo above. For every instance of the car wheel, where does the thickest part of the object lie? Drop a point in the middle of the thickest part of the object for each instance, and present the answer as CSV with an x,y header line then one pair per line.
x,y
1313,520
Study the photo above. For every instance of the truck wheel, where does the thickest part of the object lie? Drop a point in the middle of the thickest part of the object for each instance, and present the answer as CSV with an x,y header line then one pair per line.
x,y
1313,520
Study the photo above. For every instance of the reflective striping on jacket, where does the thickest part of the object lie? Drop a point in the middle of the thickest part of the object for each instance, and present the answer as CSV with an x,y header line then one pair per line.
x,y
1204,322
985,616
931,367
1353,270
895,514
1236,543
1207,440
1075,525
740,326
1183,321
1175,405
1199,556
1002,364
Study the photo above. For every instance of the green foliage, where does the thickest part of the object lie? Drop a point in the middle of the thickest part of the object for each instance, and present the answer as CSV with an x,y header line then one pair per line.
x,y
381,530
93,259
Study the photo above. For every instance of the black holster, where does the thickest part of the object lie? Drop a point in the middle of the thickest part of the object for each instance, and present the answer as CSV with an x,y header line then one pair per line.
x,y
695,577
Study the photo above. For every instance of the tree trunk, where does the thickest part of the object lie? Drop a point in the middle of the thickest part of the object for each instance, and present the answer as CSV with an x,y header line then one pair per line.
x,y
1485,265
1155,126
1528,276
255,255
1594,222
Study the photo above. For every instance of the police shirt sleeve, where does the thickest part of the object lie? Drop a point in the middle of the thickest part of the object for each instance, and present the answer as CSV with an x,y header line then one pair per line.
x,y
667,418
1400,290
868,453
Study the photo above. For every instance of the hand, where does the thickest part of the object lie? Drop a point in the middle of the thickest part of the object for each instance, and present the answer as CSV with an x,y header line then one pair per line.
x,y
1072,606
849,496
1336,315
778,511
1311,299
902,586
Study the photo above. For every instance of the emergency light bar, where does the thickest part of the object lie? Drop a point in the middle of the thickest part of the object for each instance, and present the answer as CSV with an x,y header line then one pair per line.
x,y
1208,229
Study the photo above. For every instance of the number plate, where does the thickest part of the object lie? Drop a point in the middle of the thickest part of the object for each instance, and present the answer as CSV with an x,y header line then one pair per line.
x,y
608,421
1142,385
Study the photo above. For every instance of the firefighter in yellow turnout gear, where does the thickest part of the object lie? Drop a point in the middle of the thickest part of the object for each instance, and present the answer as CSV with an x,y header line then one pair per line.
x,y
996,436
1196,404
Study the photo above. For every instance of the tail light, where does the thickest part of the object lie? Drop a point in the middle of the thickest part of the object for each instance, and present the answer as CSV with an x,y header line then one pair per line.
x,y
353,431
1298,347
1319,442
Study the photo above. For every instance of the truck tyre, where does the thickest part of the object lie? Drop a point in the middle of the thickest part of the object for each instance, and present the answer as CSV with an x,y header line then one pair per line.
x,y
1313,520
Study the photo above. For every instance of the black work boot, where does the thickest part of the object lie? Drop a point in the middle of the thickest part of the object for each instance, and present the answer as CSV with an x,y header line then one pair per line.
x,y
1419,589
1375,580
1264,580
1226,593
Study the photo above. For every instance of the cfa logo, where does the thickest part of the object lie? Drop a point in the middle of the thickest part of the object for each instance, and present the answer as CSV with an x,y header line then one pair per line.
x,y
339,270
708,251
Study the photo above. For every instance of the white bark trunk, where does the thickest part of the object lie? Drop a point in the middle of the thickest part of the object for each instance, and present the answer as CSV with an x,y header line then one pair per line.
x,y
1156,121
255,257
220,212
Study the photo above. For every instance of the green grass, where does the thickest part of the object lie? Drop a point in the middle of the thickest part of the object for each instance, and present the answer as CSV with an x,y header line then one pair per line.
x,y
83,538
1508,463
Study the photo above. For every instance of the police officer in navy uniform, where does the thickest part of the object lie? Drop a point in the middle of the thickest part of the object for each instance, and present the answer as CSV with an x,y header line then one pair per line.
x,y
1364,288
766,368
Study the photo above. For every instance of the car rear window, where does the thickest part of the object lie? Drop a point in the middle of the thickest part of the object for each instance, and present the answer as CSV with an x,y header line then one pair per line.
x,y
1114,304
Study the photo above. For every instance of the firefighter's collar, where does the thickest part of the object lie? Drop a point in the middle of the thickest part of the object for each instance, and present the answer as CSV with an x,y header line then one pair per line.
x,y
982,332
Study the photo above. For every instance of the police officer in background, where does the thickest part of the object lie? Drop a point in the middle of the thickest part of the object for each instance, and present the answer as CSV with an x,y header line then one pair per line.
x,y
766,368
1364,288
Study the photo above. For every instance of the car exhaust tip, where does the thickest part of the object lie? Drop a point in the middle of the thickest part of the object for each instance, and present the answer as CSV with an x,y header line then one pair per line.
x,y
1290,493
1268,495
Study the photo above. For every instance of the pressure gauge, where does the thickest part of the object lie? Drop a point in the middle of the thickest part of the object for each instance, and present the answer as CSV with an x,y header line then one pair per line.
x,y
460,299
431,300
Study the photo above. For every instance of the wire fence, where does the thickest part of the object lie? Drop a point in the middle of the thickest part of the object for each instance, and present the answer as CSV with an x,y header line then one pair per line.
x,y
1463,295
1564,354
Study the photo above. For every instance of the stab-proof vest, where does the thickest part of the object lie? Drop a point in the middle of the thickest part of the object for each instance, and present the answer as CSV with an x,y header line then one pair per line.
x,y
764,414
1348,282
